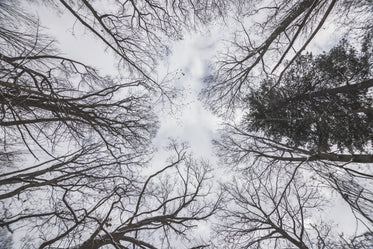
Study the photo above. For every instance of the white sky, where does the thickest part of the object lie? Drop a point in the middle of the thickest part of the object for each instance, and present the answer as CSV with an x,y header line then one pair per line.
x,y
191,122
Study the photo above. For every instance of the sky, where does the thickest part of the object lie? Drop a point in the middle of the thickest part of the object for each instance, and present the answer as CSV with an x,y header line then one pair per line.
x,y
190,121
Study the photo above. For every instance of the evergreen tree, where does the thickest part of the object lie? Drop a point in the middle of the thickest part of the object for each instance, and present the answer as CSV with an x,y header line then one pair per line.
x,y
322,101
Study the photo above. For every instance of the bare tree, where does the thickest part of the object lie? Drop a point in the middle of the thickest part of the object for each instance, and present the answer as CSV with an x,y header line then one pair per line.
x,y
277,207
39,87
358,242
99,206
262,52
168,205
348,174
261,48
236,145
274,209
336,154
136,31
356,191
47,99
91,134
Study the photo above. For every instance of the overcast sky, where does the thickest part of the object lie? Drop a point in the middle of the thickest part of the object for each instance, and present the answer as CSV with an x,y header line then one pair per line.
x,y
190,57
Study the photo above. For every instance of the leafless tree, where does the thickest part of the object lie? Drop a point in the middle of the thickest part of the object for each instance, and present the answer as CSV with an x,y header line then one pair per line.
x,y
358,242
279,208
91,134
264,51
273,209
347,174
136,31
39,87
236,145
355,191
261,48
47,99
99,206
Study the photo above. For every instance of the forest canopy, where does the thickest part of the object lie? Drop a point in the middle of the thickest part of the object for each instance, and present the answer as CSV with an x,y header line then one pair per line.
x,y
80,149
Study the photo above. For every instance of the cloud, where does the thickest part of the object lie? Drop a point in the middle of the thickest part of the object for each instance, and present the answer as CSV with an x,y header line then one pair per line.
x,y
194,123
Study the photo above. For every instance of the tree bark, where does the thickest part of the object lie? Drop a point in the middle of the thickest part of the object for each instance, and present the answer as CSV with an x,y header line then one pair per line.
x,y
356,158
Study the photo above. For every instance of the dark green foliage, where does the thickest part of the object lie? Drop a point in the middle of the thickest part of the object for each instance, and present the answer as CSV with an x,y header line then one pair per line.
x,y
321,101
